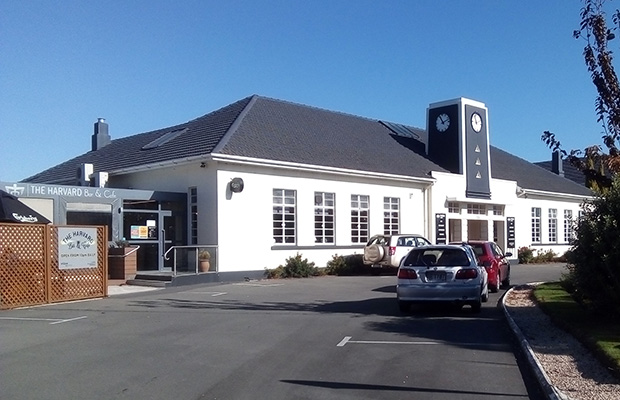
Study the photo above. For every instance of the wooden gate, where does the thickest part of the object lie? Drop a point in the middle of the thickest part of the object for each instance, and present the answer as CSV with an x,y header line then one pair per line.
x,y
30,271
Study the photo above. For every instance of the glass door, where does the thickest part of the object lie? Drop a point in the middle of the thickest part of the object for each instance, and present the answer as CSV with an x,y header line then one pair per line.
x,y
167,234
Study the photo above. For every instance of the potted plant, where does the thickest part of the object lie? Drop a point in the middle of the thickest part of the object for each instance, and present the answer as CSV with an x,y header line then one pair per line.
x,y
122,260
204,258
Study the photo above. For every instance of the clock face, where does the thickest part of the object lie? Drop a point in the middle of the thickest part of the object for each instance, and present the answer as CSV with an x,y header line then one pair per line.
x,y
443,122
476,122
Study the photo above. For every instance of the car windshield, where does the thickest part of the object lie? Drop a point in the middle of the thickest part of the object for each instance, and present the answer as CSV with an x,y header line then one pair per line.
x,y
437,257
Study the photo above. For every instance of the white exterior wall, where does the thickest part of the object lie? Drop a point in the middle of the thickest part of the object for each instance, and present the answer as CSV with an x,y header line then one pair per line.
x,y
245,228
524,222
451,188
241,224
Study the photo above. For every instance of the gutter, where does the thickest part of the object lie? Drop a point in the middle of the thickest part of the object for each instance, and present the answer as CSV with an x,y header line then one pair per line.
x,y
314,168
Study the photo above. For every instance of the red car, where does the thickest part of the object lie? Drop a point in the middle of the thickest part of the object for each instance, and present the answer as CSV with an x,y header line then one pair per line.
x,y
494,260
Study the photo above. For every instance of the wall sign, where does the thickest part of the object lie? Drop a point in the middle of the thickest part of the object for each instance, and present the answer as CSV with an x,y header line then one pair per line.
x,y
440,229
77,247
510,222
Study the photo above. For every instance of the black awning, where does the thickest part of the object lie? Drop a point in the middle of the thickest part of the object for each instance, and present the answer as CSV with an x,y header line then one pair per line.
x,y
13,210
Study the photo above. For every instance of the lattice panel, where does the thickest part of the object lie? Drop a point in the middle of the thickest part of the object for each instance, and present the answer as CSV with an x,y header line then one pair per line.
x,y
22,265
30,273
82,283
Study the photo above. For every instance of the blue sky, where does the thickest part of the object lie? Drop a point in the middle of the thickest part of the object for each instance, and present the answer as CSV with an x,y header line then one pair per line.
x,y
145,65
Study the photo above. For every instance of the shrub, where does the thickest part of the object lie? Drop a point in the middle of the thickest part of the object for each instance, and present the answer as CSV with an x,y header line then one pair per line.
x,y
346,265
543,256
594,269
525,255
295,267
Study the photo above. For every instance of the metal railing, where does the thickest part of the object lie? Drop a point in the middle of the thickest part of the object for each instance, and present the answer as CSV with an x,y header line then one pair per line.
x,y
199,263
134,249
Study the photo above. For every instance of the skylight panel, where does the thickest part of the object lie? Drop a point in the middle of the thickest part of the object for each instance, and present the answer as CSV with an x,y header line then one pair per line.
x,y
165,138
401,130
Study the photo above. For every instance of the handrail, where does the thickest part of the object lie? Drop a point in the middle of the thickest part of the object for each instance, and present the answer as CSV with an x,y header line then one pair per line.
x,y
194,246
124,255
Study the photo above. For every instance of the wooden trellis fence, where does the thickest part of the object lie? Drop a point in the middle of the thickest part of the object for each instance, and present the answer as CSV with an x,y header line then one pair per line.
x,y
30,271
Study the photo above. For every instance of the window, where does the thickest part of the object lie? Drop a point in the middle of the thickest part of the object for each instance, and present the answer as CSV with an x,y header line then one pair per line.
x,y
569,233
498,210
193,206
553,225
535,225
324,208
391,215
360,205
284,222
454,207
479,209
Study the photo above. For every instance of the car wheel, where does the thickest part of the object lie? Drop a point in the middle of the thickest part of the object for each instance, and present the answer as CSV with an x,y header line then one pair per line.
x,y
404,306
476,307
484,297
506,281
374,253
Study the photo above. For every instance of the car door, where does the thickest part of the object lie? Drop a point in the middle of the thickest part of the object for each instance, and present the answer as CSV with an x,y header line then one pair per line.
x,y
400,248
502,262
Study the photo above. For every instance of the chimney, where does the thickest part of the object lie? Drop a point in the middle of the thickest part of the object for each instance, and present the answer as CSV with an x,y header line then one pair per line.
x,y
556,163
100,138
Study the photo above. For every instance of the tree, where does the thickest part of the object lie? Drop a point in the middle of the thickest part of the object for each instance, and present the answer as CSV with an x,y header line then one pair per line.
x,y
597,165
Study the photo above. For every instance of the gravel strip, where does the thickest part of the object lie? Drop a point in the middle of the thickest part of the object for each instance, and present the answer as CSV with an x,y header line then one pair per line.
x,y
570,367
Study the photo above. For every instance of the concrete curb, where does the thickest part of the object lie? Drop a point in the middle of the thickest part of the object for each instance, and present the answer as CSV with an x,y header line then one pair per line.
x,y
552,392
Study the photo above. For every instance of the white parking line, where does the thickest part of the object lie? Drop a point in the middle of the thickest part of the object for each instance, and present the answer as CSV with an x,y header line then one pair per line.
x,y
258,284
347,339
213,294
68,320
54,321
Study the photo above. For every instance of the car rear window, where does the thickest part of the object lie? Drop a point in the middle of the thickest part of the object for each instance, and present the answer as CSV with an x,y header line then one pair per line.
x,y
438,257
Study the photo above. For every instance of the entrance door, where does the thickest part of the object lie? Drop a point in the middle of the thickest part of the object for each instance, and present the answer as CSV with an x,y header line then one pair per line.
x,y
153,231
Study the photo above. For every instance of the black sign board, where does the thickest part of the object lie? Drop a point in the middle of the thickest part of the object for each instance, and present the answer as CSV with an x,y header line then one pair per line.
x,y
440,229
510,221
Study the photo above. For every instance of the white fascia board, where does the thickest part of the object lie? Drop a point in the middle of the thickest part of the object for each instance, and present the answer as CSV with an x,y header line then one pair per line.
x,y
160,165
557,195
315,168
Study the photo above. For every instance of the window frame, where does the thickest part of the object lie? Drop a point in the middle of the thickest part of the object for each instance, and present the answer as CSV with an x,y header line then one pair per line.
x,y
360,218
324,210
287,209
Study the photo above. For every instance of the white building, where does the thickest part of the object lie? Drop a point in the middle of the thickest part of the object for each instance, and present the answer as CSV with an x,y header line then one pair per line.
x,y
264,179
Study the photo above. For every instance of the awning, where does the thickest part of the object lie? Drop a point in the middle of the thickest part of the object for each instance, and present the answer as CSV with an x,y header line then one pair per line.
x,y
13,210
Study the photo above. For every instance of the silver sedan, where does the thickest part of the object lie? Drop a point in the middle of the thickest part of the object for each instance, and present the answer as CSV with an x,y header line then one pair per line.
x,y
442,273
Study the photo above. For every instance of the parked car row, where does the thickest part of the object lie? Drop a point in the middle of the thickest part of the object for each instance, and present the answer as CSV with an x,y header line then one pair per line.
x,y
460,273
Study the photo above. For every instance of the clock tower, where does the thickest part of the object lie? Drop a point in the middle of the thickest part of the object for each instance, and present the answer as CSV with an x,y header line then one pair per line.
x,y
458,140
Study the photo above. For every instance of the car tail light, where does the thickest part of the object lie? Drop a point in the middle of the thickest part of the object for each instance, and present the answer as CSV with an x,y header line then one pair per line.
x,y
468,273
392,250
406,273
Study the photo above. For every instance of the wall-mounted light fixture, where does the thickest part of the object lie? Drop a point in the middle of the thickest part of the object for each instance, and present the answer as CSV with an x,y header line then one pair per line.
x,y
236,185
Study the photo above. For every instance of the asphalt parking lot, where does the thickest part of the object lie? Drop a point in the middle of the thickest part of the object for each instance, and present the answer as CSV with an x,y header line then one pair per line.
x,y
319,338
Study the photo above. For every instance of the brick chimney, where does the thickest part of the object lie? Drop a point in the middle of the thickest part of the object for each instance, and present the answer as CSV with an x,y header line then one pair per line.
x,y
100,137
556,163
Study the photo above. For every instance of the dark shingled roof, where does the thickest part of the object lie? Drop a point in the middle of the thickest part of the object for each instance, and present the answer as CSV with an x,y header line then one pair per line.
x,y
570,172
265,128
531,176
